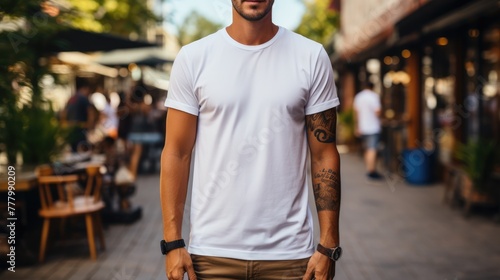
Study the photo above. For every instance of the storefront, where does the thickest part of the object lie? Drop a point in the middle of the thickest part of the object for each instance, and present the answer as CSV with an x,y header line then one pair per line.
x,y
459,69
437,70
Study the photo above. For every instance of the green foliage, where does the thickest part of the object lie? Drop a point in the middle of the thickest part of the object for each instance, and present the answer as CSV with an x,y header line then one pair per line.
x,y
10,122
27,122
16,8
346,117
43,137
195,27
346,125
21,68
31,130
319,22
121,17
11,127
479,158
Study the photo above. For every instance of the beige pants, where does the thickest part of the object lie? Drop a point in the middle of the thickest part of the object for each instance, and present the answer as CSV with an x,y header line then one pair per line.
x,y
208,268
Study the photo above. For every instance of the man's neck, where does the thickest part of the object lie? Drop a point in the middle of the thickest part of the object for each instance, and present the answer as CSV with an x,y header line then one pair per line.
x,y
252,33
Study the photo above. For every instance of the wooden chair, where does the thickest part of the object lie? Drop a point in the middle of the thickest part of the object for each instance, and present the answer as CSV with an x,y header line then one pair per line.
x,y
126,190
59,201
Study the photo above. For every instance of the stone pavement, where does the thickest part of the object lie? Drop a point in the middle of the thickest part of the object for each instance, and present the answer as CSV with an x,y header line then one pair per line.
x,y
389,231
396,231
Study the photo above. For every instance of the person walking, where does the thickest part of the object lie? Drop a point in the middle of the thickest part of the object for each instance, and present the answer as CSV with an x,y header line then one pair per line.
x,y
109,118
251,99
79,116
367,113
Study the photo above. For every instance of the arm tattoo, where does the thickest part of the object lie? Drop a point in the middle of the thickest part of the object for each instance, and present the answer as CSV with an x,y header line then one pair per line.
x,y
323,125
326,187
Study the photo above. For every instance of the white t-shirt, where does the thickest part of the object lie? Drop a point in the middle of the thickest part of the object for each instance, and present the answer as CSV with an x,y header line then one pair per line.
x,y
110,122
367,103
250,195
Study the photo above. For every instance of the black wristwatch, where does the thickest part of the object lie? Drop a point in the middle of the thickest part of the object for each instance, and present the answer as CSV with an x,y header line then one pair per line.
x,y
169,246
333,253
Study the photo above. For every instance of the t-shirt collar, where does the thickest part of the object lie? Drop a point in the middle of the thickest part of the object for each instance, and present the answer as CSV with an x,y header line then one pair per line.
x,y
251,47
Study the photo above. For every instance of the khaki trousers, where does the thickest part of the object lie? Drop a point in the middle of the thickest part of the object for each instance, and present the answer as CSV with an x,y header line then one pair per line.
x,y
208,268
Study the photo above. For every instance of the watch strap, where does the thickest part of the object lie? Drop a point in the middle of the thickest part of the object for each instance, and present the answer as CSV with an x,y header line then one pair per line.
x,y
172,245
332,253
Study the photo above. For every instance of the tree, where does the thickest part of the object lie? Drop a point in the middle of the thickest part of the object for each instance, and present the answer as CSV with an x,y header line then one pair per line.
x,y
121,17
319,22
27,28
195,26
28,31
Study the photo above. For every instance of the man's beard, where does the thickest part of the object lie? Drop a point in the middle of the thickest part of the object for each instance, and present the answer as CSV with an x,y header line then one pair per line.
x,y
251,17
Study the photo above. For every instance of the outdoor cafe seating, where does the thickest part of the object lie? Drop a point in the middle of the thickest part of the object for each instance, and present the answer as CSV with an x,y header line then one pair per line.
x,y
62,199
67,201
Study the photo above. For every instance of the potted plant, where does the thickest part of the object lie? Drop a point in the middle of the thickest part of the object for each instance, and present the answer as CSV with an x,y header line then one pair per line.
x,y
346,126
478,158
44,137
11,129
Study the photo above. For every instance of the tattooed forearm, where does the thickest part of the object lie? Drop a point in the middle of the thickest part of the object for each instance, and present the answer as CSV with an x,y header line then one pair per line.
x,y
323,125
324,158
326,187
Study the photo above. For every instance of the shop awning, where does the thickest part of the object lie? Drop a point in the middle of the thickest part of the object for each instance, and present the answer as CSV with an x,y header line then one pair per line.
x,y
139,56
371,37
75,40
85,63
427,13
473,10
156,78
436,16
366,48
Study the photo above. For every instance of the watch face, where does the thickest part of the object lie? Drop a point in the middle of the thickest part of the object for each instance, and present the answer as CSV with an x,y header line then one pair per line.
x,y
337,253
162,246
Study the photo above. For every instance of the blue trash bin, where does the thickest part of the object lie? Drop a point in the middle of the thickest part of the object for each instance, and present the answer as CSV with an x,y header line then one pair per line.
x,y
417,165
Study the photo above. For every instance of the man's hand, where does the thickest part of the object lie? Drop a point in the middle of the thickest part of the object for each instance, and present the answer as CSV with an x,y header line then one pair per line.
x,y
320,267
178,262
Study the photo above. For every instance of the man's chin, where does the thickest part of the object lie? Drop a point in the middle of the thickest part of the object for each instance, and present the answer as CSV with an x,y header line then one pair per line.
x,y
254,14
253,10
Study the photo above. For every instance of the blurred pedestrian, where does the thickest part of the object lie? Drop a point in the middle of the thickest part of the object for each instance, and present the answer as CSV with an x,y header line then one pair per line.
x,y
124,120
367,114
251,99
79,116
139,113
142,131
109,119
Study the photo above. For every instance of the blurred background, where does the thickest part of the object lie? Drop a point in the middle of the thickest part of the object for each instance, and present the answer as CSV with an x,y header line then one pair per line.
x,y
82,87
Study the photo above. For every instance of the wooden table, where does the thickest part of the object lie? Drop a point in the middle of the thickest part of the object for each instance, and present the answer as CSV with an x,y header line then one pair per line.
x,y
77,163
25,181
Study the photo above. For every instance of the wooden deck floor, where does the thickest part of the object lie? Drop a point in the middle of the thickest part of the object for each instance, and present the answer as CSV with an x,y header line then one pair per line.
x,y
389,231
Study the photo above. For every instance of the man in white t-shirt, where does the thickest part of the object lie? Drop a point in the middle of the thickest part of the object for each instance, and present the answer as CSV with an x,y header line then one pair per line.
x,y
109,118
251,99
367,114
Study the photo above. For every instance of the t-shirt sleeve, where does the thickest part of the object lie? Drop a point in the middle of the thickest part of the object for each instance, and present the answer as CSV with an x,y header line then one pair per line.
x,y
181,95
322,93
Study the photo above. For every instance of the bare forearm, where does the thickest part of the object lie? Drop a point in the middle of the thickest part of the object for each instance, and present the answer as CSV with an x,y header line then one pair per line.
x,y
173,189
325,169
326,186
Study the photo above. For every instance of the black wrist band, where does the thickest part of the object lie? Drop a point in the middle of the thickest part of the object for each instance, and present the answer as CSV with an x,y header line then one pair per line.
x,y
172,245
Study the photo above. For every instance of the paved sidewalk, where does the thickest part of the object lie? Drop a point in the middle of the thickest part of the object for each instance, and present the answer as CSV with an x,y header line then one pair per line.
x,y
396,231
388,231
